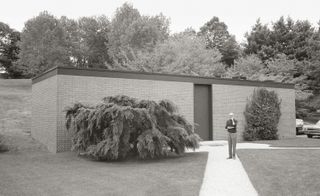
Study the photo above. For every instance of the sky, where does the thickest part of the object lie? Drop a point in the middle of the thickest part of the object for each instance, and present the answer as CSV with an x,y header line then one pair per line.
x,y
239,15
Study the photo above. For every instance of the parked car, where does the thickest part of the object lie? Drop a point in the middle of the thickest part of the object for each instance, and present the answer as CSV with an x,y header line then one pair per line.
x,y
312,130
299,125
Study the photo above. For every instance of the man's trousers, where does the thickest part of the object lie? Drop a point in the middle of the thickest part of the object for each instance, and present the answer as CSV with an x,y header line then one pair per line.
x,y
232,142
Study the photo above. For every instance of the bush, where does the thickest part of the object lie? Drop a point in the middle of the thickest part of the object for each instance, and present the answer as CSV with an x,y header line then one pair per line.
x,y
262,115
122,126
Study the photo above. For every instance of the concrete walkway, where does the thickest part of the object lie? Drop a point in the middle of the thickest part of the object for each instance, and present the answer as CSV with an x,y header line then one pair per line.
x,y
224,176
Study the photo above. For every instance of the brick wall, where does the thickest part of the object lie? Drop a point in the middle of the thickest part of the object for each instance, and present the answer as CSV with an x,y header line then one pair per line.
x,y
233,98
91,90
44,112
52,95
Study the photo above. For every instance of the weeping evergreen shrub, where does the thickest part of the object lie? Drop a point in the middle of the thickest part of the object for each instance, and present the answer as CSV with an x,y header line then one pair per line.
x,y
262,115
121,126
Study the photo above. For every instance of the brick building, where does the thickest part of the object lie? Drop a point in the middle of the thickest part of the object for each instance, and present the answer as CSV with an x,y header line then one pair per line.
x,y
202,100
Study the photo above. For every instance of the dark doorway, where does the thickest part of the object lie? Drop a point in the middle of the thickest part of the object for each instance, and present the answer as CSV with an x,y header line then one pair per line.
x,y
202,111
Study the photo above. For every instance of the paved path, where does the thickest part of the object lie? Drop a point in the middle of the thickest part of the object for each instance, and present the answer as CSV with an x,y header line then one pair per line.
x,y
224,176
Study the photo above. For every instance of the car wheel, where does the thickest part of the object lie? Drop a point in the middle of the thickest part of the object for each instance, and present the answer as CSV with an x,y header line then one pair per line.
x,y
309,136
297,132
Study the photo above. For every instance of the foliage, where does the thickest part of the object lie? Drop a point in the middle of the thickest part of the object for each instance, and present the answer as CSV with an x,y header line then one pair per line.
x,y
289,49
217,36
182,54
121,126
249,66
88,38
9,49
313,73
292,38
43,45
132,33
262,114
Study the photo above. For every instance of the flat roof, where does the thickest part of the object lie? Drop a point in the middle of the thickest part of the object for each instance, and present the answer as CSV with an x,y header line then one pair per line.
x,y
73,71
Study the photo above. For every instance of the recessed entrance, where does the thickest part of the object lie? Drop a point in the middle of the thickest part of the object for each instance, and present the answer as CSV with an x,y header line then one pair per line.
x,y
202,111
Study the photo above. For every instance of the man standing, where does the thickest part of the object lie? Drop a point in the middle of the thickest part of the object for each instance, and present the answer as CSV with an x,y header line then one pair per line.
x,y
231,127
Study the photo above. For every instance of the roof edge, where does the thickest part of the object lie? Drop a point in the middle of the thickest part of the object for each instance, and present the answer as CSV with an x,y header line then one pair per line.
x,y
46,74
60,70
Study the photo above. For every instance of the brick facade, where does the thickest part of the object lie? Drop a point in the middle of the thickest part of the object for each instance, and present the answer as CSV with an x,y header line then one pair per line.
x,y
91,90
58,88
44,112
233,98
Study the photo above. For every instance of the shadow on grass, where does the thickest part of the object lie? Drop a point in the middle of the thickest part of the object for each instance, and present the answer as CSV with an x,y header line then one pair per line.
x,y
3,146
172,157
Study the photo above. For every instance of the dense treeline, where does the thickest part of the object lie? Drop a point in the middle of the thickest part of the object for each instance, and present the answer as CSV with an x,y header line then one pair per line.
x,y
283,51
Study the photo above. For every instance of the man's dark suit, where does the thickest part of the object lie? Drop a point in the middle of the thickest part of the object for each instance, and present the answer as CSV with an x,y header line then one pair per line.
x,y
231,126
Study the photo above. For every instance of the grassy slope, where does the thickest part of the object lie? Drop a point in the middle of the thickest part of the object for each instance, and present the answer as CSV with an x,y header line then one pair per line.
x,y
283,172
15,115
28,169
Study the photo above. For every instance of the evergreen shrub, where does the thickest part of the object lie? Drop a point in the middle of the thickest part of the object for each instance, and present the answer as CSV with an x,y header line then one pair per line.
x,y
121,126
262,115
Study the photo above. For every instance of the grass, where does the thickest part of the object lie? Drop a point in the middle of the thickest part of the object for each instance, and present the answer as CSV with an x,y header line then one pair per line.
x,y
15,105
29,169
282,172
15,115
3,146
66,174
301,141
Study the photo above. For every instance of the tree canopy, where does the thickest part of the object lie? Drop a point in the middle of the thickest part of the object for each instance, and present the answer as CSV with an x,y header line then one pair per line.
x,y
43,45
285,50
217,36
9,49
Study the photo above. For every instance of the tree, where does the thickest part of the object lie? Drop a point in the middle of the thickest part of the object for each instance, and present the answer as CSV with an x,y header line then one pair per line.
x,y
262,114
217,36
292,38
9,49
88,40
249,66
43,45
132,33
258,41
313,70
182,54
230,51
215,33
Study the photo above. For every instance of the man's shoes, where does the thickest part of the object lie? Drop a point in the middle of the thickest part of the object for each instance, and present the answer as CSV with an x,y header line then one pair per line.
x,y
229,158
234,157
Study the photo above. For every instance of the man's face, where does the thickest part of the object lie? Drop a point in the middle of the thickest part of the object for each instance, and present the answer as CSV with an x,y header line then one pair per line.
x,y
231,116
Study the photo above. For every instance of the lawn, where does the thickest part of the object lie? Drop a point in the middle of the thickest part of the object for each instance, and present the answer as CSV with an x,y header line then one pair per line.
x,y
29,169
15,106
282,172
42,173
15,114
